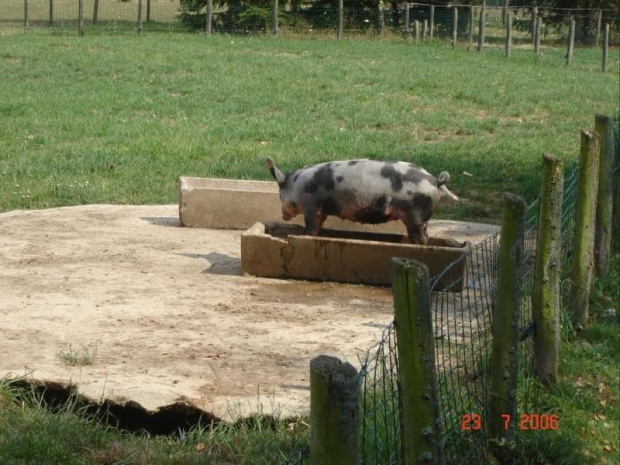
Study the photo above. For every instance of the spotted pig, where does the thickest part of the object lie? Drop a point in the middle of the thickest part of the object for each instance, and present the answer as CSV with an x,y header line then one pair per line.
x,y
363,191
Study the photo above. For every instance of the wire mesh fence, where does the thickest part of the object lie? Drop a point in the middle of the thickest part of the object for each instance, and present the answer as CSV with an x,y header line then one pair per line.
x,y
312,17
462,304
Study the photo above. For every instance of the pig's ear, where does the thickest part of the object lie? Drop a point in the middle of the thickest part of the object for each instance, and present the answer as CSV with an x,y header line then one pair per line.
x,y
273,169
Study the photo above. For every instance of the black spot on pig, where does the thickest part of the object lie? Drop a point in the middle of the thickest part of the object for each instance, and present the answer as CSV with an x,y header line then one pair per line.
x,y
374,214
323,177
330,206
340,178
396,179
424,205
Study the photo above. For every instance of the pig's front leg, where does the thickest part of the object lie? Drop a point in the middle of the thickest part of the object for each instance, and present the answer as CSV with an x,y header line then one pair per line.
x,y
314,220
416,232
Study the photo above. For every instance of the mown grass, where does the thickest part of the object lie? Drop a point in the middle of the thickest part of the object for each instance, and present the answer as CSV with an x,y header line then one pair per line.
x,y
587,393
116,119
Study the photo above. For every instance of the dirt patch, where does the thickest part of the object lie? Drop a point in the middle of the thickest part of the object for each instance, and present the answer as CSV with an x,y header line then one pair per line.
x,y
165,315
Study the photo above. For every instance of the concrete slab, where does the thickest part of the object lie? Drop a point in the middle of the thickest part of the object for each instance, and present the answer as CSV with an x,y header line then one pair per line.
x,y
276,250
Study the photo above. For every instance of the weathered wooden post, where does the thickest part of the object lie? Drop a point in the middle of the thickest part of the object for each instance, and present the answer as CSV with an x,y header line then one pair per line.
x,y
381,18
407,27
508,33
481,29
416,352
502,406
95,11
537,35
604,204
455,25
51,13
546,299
472,22
605,47
571,42
424,30
26,15
340,19
534,23
599,20
583,246
416,30
334,412
209,18
139,17
274,18
431,25
81,17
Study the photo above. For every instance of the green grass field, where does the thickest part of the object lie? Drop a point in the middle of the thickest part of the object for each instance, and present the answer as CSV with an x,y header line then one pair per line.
x,y
117,119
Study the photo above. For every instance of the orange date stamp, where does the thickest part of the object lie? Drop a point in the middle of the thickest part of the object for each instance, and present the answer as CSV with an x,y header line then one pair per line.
x,y
527,422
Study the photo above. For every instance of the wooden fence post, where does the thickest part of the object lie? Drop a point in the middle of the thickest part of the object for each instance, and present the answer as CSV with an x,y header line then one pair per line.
x,y
95,11
583,247
407,27
139,17
534,23
604,204
546,298
431,25
274,18
508,33
340,18
455,25
424,30
599,19
26,15
537,35
51,14
416,30
571,42
605,47
209,18
504,356
334,412
416,352
381,18
81,17
481,30
472,22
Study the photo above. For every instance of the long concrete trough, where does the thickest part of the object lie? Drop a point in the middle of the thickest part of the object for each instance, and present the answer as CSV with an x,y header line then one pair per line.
x,y
276,250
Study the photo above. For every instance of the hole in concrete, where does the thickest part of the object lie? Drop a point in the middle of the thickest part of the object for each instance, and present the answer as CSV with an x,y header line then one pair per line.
x,y
129,416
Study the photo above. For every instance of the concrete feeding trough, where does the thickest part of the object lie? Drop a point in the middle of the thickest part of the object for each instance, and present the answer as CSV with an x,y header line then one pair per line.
x,y
276,250
238,204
